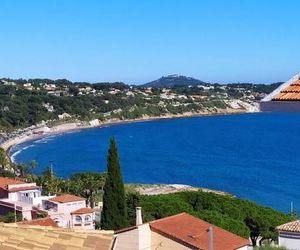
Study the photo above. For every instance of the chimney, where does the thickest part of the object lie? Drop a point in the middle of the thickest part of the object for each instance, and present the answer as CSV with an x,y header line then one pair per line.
x,y
138,220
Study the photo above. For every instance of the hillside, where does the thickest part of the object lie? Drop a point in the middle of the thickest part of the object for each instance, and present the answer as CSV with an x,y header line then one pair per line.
x,y
174,80
25,103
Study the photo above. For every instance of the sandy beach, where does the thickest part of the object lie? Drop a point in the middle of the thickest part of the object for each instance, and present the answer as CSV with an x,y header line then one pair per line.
x,y
43,131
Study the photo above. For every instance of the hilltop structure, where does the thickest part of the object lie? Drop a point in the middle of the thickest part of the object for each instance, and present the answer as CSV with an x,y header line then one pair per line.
x,y
286,98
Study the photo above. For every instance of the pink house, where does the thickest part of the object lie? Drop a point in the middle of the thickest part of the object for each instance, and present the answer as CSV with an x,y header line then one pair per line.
x,y
68,211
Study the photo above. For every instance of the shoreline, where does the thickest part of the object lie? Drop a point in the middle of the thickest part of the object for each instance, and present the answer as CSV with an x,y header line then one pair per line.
x,y
80,125
157,189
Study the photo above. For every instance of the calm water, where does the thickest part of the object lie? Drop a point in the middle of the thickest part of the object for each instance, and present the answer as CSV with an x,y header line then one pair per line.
x,y
255,156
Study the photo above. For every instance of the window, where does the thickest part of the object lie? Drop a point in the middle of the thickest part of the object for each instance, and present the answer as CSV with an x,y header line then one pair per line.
x,y
56,220
78,219
87,218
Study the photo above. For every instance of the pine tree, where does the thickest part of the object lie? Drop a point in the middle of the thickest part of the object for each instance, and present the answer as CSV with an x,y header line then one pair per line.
x,y
114,214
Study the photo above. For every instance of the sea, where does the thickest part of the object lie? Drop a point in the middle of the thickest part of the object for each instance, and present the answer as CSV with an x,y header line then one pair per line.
x,y
253,156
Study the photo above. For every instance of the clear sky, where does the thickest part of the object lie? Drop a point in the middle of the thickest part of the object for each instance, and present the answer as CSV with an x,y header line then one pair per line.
x,y
137,41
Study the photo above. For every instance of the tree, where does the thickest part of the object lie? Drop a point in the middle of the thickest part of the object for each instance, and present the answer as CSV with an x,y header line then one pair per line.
x,y
114,214
49,182
257,227
87,185
3,159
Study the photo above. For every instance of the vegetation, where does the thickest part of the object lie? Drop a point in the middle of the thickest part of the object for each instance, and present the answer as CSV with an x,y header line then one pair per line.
x,y
28,102
3,158
268,247
11,217
114,214
241,217
88,185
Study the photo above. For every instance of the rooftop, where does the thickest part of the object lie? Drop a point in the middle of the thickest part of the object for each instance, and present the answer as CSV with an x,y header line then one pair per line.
x,y
290,93
46,222
85,210
193,232
9,181
16,189
16,236
293,226
14,185
67,198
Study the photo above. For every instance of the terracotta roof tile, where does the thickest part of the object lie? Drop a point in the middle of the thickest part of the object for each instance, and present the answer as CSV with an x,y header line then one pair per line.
x,y
293,226
67,198
47,222
85,210
9,181
290,93
191,231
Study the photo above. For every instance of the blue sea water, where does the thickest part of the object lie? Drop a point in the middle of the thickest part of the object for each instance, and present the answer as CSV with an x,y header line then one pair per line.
x,y
254,156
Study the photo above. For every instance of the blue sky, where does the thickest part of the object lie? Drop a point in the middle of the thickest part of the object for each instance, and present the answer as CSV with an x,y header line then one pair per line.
x,y
136,41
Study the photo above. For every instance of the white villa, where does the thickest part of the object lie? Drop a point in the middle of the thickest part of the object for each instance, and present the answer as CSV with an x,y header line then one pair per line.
x,y
289,235
68,211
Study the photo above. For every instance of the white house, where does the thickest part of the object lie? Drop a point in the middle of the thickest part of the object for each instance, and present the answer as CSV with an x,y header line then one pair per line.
x,y
68,211
24,198
94,122
289,235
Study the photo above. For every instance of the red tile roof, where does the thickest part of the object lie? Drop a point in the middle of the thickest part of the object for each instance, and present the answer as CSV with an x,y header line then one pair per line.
x,y
65,198
9,181
46,222
193,232
290,93
85,210
5,182
16,189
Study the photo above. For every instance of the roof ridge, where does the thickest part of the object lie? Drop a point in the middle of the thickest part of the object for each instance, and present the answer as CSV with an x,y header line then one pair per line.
x,y
289,223
202,221
148,222
167,218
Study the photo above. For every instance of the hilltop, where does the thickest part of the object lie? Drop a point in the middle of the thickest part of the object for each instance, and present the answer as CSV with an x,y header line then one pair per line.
x,y
174,80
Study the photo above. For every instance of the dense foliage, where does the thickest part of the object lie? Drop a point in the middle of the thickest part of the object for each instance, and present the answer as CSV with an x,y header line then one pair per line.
x,y
268,247
114,214
241,217
22,105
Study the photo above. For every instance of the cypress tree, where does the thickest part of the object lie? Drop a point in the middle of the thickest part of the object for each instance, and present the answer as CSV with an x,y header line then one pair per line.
x,y
114,215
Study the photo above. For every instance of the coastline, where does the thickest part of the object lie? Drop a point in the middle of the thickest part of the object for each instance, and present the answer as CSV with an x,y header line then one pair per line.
x,y
79,125
157,189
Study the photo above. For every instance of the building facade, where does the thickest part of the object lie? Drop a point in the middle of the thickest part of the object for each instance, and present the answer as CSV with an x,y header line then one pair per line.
x,y
70,211
289,235
26,201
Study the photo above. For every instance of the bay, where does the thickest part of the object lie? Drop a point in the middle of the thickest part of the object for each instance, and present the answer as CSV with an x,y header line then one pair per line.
x,y
254,156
